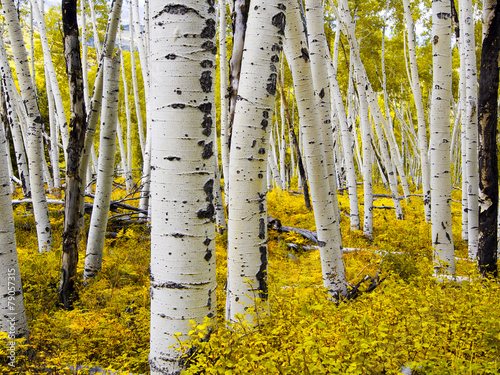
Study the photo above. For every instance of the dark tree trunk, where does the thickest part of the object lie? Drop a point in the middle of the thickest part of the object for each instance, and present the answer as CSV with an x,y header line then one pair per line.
x,y
488,167
74,193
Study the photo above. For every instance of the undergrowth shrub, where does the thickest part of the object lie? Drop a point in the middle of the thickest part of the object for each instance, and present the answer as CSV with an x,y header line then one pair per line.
x,y
408,320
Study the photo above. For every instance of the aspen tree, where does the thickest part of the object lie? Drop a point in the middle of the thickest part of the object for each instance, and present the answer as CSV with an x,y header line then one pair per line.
x,y
13,317
224,110
419,105
247,206
467,42
74,187
442,236
9,90
182,116
34,119
51,74
347,143
135,88
328,226
487,120
105,169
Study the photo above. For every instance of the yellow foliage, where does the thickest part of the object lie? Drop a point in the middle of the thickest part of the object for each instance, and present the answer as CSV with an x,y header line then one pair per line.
x,y
408,320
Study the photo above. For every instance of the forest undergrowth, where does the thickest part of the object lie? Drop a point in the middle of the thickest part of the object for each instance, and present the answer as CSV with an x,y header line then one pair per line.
x,y
408,320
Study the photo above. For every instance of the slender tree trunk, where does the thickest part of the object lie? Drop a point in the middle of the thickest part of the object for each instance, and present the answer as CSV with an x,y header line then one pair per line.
x,y
105,169
488,159
469,50
12,314
10,104
326,220
74,188
182,175
224,109
35,123
295,143
442,236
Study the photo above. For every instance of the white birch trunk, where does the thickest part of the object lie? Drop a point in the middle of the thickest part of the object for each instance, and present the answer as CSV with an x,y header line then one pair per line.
x,y
135,88
34,127
13,317
328,227
224,109
247,207
468,42
105,169
51,73
442,236
9,90
419,104
348,146
182,176
97,42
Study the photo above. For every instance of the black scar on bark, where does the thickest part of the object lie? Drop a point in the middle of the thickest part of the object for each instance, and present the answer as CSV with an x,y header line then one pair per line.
x,y
209,30
206,108
206,81
171,56
212,6
209,46
276,47
275,58
305,54
178,105
207,64
176,9
273,68
208,150
172,158
207,241
265,114
177,235
443,16
208,255
169,284
254,142
260,175
271,86
262,229
322,93
208,211
264,124
279,20
281,6
262,274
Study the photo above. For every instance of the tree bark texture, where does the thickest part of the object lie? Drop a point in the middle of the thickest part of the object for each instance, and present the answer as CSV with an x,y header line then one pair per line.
x,y
74,188
247,206
488,159
442,236
182,119
35,123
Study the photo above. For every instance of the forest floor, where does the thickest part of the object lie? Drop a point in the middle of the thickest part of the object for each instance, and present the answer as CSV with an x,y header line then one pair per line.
x,y
408,320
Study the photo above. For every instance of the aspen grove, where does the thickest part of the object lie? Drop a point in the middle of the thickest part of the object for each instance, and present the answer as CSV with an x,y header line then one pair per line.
x,y
249,186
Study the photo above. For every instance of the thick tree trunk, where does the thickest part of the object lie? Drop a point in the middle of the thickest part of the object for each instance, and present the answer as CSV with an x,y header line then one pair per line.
x,y
182,120
488,159
74,188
